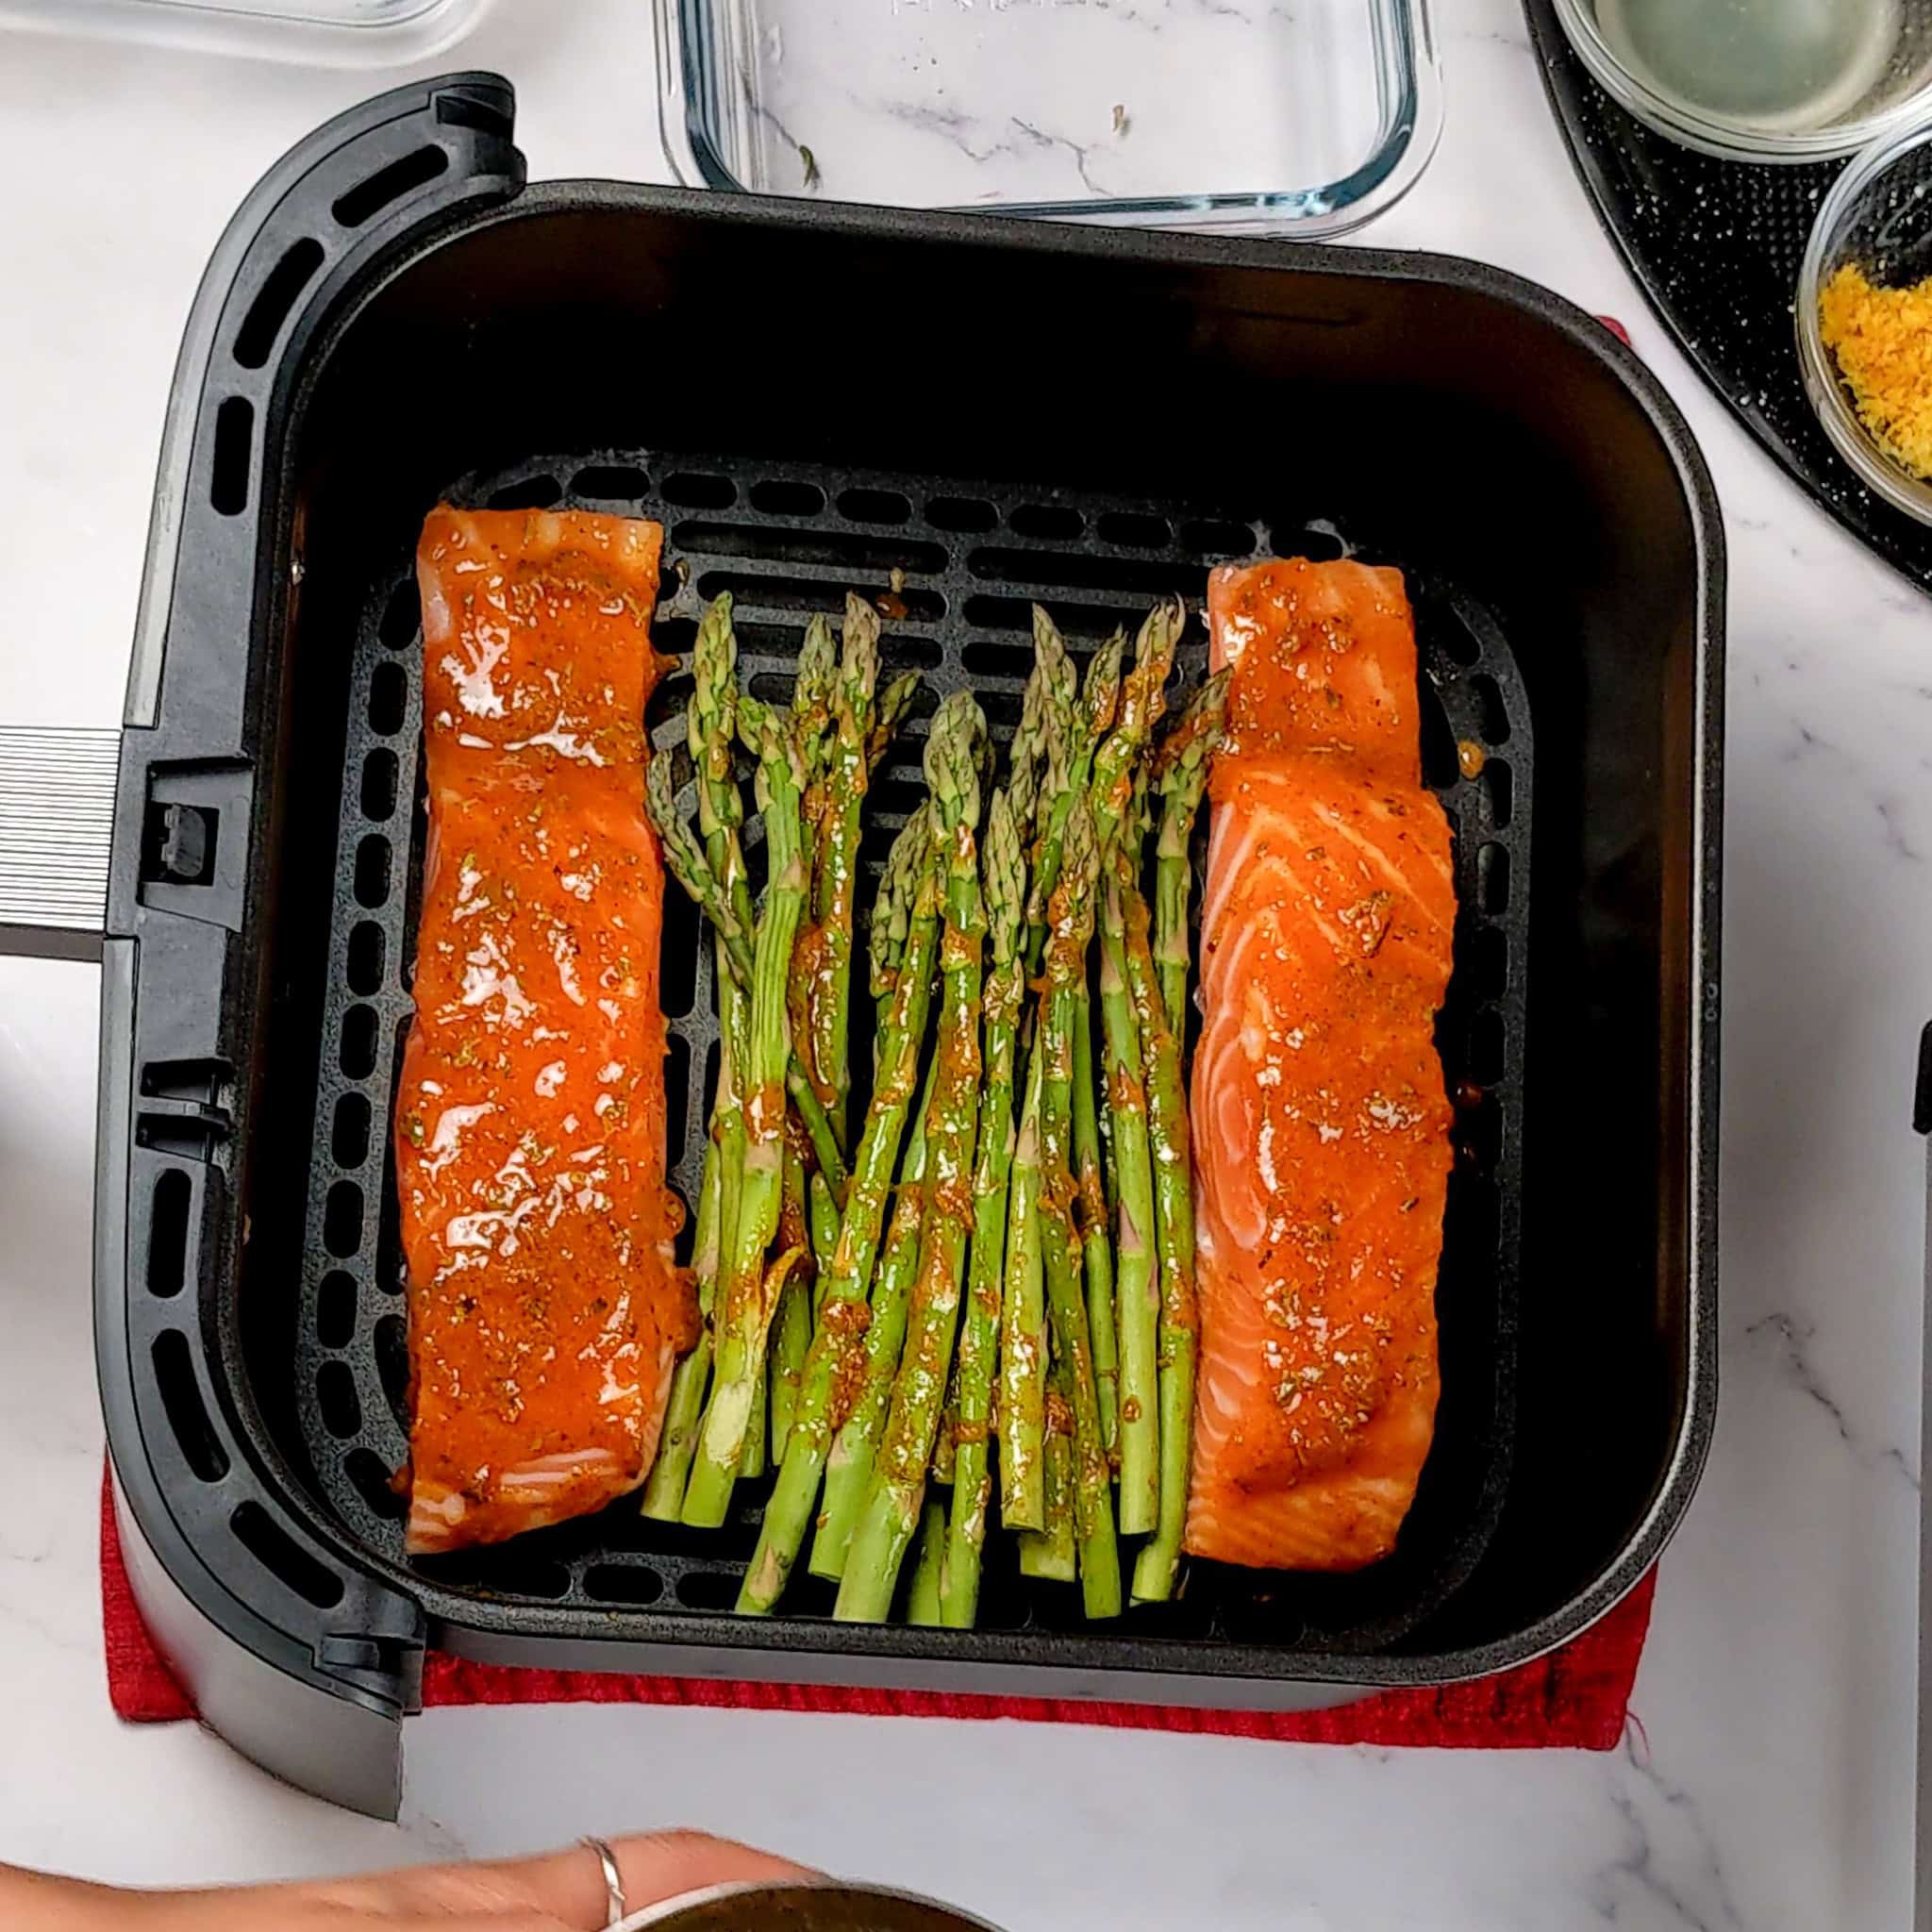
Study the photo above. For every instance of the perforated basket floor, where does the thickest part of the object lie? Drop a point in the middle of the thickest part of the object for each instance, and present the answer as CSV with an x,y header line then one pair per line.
x,y
955,573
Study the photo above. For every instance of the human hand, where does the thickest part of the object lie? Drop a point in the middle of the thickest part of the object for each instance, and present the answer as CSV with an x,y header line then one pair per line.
x,y
560,1892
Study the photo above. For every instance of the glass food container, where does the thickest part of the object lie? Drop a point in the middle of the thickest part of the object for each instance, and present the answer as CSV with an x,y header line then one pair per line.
x,y
328,33
1308,119
1877,218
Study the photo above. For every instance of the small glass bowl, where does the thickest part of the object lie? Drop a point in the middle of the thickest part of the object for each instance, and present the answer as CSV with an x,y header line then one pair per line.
x,y
1752,88
1879,215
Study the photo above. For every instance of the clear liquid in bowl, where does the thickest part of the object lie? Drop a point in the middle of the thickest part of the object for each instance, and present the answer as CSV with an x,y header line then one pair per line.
x,y
1784,66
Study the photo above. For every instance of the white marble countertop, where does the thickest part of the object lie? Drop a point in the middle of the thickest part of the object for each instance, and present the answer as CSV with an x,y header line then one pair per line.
x,y
1771,1786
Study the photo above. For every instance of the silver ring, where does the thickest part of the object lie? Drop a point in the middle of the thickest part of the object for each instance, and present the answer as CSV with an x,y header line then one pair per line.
x,y
614,1910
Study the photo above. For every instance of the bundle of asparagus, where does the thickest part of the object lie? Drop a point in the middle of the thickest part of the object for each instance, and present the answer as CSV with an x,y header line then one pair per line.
x,y
1028,1308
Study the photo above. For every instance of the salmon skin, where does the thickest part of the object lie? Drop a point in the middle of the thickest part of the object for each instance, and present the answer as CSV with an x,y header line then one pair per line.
x,y
546,1308
1321,1125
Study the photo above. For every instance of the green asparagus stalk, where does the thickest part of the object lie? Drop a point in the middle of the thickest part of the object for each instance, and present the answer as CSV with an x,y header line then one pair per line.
x,y
890,1516
1004,888
946,1442
791,1325
1173,1221
751,1452
834,1355
1095,1228
742,1335
1118,760
1070,926
824,1237
1181,777
710,726
1074,731
815,681
849,1466
1115,769
893,708
1022,1408
727,904
928,1571
846,773
663,1497
1051,1554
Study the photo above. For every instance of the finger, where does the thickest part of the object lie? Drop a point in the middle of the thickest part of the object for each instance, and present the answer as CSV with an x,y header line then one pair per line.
x,y
654,1866
568,1884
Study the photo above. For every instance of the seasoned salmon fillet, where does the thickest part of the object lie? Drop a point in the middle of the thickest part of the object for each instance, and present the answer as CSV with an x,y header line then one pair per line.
x,y
545,1311
1320,1123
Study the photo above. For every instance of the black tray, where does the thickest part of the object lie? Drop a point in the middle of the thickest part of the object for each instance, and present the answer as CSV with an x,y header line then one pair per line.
x,y
1715,246
395,313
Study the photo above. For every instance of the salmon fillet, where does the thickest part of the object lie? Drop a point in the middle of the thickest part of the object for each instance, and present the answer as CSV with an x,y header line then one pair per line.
x,y
545,1309
1321,1127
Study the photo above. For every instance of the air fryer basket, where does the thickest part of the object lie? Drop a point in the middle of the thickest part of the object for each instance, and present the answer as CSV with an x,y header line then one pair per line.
x,y
812,399
958,566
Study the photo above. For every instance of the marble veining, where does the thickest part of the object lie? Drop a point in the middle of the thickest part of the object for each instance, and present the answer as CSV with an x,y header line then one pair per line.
x,y
1766,1784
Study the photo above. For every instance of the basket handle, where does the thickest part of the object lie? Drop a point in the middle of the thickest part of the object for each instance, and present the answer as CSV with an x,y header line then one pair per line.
x,y
57,833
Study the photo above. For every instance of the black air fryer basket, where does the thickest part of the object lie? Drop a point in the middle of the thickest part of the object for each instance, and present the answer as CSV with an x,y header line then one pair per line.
x,y
978,413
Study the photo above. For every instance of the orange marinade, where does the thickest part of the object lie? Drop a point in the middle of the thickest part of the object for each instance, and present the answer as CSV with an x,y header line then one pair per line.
x,y
1320,1124
545,1311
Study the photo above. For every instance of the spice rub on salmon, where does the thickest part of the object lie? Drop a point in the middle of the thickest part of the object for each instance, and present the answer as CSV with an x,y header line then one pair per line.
x,y
546,1308
1321,1127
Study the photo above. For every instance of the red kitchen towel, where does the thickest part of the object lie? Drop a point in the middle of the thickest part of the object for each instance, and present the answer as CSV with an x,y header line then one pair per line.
x,y
1575,1699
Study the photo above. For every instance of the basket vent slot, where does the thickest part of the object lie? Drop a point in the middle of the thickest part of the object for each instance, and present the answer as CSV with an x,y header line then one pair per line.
x,y
167,1233
368,198
227,488
335,1309
778,498
194,1435
367,950
271,306
376,1485
533,492
342,1407
342,1223
276,1550
863,506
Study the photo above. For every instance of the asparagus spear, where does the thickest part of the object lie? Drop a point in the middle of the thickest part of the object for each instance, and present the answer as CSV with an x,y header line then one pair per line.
x,y
710,723
945,1442
1173,1221
891,922
849,1466
834,1357
893,708
1115,769
890,1516
1050,1553
928,1573
727,904
1095,1226
1005,887
1022,1328
663,1497
1071,923
823,1212
813,683
846,770
791,1325
1117,762
742,1334
1074,732
1180,776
